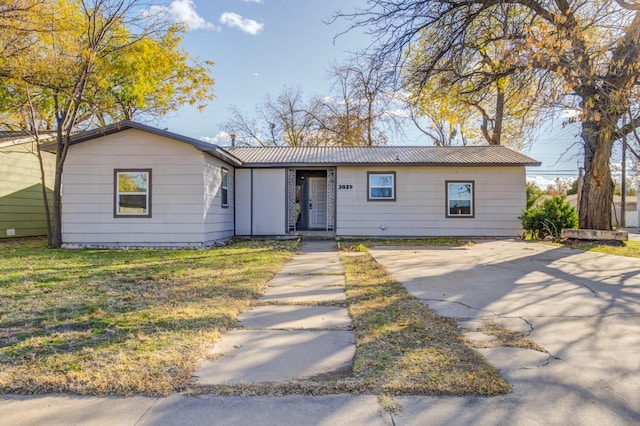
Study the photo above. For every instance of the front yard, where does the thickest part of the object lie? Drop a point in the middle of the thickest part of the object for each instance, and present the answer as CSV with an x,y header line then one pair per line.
x,y
120,322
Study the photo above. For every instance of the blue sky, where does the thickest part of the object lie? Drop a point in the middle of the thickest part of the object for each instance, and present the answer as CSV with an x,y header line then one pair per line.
x,y
261,46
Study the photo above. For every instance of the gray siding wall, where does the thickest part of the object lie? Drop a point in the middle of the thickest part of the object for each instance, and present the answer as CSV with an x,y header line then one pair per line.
x,y
218,220
21,205
420,206
260,202
178,204
243,201
269,201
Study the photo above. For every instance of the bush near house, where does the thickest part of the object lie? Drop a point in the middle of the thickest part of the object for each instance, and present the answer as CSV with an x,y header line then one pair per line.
x,y
549,218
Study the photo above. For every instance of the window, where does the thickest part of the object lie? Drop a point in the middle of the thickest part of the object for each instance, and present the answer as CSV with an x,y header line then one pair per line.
x,y
460,199
224,187
382,186
132,193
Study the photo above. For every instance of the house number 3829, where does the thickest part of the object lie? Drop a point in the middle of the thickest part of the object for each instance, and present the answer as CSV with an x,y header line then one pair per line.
x,y
345,186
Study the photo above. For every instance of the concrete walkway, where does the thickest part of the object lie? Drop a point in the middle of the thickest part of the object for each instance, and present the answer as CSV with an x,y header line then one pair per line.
x,y
290,335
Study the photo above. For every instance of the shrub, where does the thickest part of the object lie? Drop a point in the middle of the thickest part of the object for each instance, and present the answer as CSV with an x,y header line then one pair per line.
x,y
549,218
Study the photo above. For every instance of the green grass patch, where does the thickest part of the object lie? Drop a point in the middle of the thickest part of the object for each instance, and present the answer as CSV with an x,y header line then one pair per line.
x,y
121,322
403,347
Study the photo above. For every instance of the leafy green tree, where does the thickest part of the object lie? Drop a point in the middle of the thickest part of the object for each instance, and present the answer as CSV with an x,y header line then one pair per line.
x,y
630,190
533,193
152,77
573,189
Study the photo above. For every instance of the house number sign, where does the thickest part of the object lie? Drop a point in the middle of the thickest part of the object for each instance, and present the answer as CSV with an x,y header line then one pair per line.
x,y
345,186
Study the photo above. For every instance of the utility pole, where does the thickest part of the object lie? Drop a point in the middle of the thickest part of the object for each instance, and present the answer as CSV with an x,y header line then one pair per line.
x,y
623,184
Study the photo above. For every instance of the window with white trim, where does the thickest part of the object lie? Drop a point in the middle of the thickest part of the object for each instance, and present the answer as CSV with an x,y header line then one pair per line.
x,y
224,187
381,186
132,193
460,199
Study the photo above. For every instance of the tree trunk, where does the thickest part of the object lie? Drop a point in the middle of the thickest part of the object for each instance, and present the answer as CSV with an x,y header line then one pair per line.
x,y
45,198
597,189
56,239
496,137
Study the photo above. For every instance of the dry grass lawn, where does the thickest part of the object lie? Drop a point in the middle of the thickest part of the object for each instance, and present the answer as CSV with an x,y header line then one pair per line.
x,y
120,322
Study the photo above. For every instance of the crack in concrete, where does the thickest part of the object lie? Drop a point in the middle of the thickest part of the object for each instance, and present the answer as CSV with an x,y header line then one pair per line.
x,y
461,304
548,362
393,421
155,401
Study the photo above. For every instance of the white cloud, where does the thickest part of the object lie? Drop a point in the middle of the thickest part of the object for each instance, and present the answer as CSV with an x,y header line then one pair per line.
x,y
183,11
247,25
541,181
222,138
256,74
253,1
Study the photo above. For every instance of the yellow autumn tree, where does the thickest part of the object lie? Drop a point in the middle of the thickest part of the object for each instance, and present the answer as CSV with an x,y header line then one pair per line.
x,y
89,62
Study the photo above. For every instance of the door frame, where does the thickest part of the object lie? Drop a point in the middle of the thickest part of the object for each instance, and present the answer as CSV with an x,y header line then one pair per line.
x,y
295,222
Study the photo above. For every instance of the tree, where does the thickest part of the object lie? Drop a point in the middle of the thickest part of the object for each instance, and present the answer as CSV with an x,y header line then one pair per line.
x,y
472,88
152,77
85,64
533,193
589,51
288,119
356,113
359,111
573,188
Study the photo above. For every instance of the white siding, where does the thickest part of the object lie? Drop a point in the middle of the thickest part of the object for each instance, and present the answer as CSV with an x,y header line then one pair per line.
x,y
177,188
420,205
269,202
218,220
243,201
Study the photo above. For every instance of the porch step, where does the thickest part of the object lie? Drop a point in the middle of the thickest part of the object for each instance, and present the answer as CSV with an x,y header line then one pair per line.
x,y
316,235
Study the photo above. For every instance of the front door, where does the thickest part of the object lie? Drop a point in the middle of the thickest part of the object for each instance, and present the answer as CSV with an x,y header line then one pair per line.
x,y
317,202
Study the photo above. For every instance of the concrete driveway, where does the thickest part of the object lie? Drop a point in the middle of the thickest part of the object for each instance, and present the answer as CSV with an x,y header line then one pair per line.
x,y
582,308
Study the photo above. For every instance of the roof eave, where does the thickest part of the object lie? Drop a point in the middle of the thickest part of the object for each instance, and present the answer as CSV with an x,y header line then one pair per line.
x,y
210,149
371,164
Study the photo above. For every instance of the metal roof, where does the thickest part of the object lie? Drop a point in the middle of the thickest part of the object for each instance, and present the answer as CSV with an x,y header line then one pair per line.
x,y
381,155
332,155
126,124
